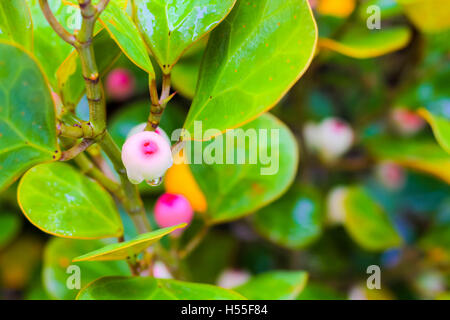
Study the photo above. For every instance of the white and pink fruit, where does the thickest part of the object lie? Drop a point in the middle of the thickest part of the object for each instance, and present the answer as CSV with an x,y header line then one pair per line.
x,y
146,156
331,138
141,127
172,209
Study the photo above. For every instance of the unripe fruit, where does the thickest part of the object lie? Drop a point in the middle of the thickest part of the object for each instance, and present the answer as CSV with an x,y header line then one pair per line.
x,y
230,278
120,84
179,179
406,122
146,156
331,138
336,8
335,205
391,175
141,128
172,209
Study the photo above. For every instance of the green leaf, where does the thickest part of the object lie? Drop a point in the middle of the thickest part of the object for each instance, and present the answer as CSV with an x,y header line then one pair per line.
x,y
367,223
59,200
58,257
441,127
128,249
185,75
233,189
146,288
170,27
125,33
49,48
15,22
274,285
428,16
69,74
251,61
294,221
9,227
437,239
420,154
27,115
362,43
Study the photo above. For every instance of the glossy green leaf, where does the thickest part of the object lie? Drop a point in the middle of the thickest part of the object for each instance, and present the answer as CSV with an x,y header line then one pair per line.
x,y
440,123
428,16
170,27
49,48
419,154
146,288
27,115
58,257
367,223
128,249
362,43
251,61
234,189
15,22
59,200
294,221
70,78
125,33
9,227
274,285
185,75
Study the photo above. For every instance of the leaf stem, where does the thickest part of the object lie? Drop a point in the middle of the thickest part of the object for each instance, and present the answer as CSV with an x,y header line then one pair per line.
x,y
158,103
76,150
54,23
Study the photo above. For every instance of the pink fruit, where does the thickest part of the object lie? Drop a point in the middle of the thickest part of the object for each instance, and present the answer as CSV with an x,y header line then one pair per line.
x,y
391,175
172,209
141,127
120,84
407,122
146,156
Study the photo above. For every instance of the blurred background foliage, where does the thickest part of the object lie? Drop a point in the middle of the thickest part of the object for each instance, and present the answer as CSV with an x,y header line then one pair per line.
x,y
384,201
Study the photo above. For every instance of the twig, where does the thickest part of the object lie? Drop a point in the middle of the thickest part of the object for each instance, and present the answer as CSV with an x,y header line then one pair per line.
x,y
76,150
59,29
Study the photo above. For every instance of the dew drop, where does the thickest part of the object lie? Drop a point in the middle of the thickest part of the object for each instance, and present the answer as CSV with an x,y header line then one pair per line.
x,y
155,182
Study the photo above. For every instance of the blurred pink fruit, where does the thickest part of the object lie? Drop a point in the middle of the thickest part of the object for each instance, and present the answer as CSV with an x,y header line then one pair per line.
x,y
407,122
391,175
120,84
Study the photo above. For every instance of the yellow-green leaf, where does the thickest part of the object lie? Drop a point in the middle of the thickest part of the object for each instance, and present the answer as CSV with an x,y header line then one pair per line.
x,y
127,249
363,43
147,288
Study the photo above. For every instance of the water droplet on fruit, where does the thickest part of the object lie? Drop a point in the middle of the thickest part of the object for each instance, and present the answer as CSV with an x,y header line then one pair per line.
x,y
155,182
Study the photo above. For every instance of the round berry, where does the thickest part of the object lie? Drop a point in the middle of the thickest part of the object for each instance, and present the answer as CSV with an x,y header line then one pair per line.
x,y
141,127
172,209
120,84
146,156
